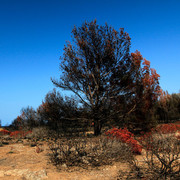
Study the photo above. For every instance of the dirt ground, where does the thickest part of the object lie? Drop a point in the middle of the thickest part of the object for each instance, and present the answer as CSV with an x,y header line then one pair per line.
x,y
22,162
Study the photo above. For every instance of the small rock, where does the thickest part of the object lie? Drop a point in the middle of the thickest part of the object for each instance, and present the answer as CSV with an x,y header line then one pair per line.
x,y
64,165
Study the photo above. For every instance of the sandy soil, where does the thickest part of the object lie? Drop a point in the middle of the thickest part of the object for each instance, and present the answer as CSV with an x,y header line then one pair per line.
x,y
22,162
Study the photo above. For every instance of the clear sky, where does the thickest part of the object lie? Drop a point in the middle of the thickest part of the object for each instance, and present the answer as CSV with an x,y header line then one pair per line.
x,y
33,34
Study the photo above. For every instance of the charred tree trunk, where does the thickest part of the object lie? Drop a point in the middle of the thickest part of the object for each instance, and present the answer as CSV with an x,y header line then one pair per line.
x,y
97,121
97,127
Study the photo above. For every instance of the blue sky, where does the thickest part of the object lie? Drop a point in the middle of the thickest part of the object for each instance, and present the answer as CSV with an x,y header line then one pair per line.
x,y
33,34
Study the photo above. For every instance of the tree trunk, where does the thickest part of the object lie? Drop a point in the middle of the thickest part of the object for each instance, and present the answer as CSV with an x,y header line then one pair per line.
x,y
97,126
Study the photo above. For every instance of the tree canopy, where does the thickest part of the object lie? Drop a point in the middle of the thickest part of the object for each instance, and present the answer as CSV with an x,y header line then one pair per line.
x,y
98,68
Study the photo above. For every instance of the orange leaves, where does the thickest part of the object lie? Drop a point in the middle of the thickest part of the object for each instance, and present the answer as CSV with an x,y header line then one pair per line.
x,y
19,119
121,31
164,97
115,32
154,74
128,37
137,58
148,78
146,63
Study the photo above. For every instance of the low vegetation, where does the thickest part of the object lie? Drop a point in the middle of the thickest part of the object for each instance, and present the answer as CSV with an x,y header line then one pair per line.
x,y
161,158
88,152
159,149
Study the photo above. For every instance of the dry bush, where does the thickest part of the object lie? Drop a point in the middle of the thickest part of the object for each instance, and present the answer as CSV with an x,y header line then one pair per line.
x,y
86,152
38,133
162,156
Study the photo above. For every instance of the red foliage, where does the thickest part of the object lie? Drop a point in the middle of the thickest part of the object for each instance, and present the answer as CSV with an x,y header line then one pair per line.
x,y
147,140
19,133
167,128
4,132
126,137
164,97
149,80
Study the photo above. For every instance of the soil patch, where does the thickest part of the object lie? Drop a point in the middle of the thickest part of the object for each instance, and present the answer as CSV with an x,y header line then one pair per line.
x,y
18,162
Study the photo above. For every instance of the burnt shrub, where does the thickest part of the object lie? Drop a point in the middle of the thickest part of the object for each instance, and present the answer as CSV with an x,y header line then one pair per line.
x,y
84,152
39,133
161,155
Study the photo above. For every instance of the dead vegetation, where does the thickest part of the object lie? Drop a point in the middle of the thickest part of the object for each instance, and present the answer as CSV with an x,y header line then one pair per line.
x,y
88,152
160,158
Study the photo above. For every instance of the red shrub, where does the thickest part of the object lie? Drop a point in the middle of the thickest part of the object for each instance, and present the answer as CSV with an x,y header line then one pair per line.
x,y
4,132
149,140
19,133
126,137
166,128
161,152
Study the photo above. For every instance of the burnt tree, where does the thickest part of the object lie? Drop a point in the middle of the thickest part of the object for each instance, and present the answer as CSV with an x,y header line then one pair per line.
x,y
96,67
